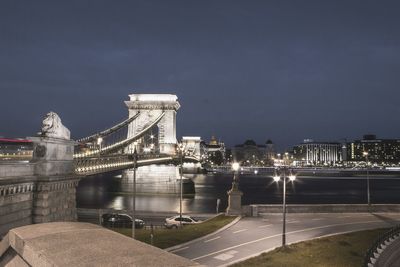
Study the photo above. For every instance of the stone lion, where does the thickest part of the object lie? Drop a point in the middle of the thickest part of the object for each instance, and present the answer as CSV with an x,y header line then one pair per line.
x,y
52,127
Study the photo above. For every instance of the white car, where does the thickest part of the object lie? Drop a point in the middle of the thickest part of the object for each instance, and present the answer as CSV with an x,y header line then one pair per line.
x,y
175,221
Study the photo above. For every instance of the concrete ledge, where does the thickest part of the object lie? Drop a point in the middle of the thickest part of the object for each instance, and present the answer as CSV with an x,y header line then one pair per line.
x,y
257,209
82,244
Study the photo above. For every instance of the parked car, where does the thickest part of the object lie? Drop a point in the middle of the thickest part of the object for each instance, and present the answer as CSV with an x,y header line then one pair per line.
x,y
120,220
175,221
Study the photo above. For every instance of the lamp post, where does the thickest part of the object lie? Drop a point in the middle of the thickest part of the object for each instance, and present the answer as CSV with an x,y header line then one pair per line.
x,y
235,195
180,149
277,178
135,157
365,153
235,168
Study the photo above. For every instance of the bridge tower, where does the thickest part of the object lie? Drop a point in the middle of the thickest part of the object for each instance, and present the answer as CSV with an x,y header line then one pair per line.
x,y
154,179
150,107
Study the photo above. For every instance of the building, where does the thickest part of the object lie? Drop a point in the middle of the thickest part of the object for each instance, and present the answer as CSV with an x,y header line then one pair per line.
x,y
249,153
191,145
381,151
15,149
270,154
213,153
310,153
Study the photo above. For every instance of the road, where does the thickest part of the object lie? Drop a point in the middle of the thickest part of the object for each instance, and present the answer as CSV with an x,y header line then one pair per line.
x,y
150,218
254,235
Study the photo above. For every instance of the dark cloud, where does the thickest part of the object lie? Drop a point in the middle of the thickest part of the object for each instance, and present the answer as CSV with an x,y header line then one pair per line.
x,y
284,70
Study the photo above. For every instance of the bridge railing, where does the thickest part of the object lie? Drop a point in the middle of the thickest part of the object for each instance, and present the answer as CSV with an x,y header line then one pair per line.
x,y
102,164
380,244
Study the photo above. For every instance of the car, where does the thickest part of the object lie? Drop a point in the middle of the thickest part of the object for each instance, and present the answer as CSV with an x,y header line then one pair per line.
x,y
120,220
175,221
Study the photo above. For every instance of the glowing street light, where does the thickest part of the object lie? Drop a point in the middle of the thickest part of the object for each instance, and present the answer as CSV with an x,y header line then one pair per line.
x,y
181,155
277,178
365,154
235,166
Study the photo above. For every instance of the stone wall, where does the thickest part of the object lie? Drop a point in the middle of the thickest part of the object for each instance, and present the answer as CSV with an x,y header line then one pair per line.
x,y
55,200
257,210
43,190
16,200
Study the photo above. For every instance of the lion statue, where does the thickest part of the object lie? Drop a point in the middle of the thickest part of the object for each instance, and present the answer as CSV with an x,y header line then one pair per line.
x,y
52,127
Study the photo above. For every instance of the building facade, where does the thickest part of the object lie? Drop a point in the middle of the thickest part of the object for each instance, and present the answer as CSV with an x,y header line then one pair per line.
x,y
214,152
382,151
249,153
310,153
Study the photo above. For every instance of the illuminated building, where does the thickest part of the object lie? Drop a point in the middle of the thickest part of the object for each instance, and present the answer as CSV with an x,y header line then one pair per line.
x,y
312,153
379,150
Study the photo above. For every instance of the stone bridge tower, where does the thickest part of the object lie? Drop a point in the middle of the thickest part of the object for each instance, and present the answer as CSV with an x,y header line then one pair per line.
x,y
150,107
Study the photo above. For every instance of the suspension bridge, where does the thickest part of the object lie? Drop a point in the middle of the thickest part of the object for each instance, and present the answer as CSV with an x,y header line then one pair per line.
x,y
43,189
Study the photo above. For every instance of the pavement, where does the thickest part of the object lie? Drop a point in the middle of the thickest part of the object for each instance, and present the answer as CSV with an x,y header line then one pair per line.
x,y
252,236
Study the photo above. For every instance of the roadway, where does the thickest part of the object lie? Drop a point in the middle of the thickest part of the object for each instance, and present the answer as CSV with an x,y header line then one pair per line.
x,y
253,235
156,219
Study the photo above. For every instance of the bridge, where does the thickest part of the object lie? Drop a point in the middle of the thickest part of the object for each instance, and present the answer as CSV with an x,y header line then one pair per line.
x,y
43,189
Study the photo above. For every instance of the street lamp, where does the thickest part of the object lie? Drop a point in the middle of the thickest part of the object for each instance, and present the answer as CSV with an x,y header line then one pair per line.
x,y
135,158
365,154
235,168
180,149
277,178
234,194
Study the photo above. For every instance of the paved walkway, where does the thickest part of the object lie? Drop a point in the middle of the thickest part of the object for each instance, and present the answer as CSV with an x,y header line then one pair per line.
x,y
254,235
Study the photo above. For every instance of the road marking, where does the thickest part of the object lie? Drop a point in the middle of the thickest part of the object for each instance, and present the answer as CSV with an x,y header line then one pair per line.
x,y
264,226
238,231
293,222
279,235
317,219
223,257
226,256
178,249
212,239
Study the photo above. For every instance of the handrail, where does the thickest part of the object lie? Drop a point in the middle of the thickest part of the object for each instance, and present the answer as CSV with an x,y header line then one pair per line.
x,y
373,254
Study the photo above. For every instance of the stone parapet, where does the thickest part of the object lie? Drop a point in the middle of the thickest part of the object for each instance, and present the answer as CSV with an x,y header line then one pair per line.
x,y
55,200
81,244
259,209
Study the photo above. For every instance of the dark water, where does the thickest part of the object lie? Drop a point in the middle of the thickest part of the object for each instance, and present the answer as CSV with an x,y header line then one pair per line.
x,y
104,191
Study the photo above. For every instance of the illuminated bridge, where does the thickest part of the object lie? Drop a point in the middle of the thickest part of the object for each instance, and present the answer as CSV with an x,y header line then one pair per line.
x,y
44,188
150,130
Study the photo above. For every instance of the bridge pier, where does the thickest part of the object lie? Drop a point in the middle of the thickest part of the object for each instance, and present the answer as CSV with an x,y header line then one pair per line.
x,y
157,179
55,194
42,190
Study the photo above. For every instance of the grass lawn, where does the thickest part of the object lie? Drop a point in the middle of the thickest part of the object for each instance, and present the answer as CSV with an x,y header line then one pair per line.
x,y
340,250
164,238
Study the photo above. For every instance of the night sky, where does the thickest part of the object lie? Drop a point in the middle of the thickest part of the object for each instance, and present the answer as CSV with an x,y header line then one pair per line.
x,y
280,70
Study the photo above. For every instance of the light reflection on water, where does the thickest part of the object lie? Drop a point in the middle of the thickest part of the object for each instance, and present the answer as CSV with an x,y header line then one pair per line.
x,y
104,191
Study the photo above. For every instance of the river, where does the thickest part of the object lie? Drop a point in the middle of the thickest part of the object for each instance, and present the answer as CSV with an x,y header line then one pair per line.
x,y
104,191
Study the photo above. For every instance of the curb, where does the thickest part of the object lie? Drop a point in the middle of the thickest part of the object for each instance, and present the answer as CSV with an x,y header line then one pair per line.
x,y
204,237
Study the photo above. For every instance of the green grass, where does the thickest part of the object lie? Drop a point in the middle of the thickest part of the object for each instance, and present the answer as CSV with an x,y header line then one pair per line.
x,y
164,238
334,251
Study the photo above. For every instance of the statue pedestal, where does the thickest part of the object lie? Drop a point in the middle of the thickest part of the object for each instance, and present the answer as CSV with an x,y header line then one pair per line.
x,y
54,197
234,199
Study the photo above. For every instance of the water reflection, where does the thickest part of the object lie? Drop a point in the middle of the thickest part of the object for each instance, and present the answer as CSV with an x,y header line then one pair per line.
x,y
107,191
